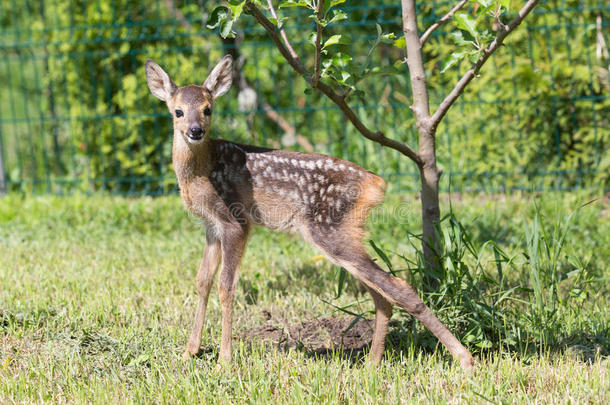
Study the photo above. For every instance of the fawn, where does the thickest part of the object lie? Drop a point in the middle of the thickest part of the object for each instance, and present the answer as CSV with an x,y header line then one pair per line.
x,y
233,187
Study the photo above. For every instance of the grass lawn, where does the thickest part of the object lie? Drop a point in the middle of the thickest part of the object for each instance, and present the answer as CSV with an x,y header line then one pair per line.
x,y
97,296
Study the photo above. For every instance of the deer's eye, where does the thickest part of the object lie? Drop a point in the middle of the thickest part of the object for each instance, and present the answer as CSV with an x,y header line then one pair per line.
x,y
179,113
207,111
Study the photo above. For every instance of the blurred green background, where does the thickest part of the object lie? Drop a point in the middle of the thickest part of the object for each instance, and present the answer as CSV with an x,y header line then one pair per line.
x,y
77,115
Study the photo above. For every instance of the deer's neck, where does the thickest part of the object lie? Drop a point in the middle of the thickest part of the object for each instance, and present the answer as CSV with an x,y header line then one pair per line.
x,y
191,161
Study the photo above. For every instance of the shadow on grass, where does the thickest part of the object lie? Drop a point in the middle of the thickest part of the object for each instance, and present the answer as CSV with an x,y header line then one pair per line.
x,y
340,338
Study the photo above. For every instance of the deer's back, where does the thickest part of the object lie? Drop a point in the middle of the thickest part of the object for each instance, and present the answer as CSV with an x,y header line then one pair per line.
x,y
291,190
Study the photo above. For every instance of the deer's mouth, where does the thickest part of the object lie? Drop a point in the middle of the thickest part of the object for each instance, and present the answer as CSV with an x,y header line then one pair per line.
x,y
194,138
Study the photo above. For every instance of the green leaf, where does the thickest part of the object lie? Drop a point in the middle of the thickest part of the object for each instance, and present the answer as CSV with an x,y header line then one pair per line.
x,y
218,15
485,3
226,29
341,281
294,3
400,42
279,22
338,15
341,60
388,38
236,8
454,58
458,38
383,256
466,23
505,4
338,39
474,56
330,4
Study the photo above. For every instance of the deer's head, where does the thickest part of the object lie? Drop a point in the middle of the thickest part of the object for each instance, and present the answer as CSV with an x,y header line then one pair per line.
x,y
191,106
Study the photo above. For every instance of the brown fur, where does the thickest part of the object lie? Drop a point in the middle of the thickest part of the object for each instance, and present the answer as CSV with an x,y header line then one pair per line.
x,y
233,187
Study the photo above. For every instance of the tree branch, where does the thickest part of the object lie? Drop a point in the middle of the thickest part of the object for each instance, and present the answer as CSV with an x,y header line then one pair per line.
x,y
442,21
282,32
339,100
316,73
504,31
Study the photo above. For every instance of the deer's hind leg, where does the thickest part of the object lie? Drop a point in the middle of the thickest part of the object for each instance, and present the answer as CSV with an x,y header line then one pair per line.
x,y
205,279
350,253
383,313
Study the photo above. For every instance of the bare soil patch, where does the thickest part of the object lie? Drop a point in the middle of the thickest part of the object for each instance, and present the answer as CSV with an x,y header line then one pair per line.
x,y
319,336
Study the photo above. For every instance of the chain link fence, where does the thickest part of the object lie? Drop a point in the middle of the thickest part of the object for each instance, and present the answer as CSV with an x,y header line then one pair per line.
x,y
77,116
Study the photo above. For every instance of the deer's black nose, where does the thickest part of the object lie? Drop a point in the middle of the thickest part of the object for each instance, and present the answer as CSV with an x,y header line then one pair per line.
x,y
195,132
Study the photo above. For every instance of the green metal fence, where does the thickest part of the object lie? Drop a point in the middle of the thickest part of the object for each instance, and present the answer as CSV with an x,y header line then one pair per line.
x,y
76,114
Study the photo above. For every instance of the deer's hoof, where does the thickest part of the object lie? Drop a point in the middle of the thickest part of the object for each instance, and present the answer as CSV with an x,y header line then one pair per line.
x,y
467,363
186,356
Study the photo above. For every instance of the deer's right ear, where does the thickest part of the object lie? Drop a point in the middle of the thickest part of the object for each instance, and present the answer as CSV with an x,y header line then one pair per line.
x,y
159,82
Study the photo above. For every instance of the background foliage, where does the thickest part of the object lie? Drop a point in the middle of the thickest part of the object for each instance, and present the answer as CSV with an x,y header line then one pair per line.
x,y
77,113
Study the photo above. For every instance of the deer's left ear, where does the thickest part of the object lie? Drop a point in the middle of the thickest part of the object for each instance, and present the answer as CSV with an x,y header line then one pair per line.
x,y
220,78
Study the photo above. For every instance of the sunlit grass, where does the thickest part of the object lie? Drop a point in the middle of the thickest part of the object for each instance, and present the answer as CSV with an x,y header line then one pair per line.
x,y
97,295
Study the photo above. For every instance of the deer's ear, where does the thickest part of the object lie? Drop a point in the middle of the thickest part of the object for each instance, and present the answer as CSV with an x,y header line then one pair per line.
x,y
159,82
220,78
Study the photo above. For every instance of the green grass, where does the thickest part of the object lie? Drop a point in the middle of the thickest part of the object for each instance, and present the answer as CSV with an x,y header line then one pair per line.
x,y
97,295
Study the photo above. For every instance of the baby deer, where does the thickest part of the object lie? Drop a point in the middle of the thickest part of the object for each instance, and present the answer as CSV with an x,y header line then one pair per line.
x,y
233,187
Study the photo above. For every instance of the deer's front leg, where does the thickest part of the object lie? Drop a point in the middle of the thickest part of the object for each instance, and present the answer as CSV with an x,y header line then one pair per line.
x,y
205,279
233,246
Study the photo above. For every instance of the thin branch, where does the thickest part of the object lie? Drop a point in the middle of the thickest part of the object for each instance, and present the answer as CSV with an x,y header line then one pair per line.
x,y
296,64
472,72
600,44
316,73
282,32
282,44
442,21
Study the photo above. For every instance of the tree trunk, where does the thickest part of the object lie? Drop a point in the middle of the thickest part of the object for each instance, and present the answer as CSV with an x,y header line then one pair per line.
x,y
429,173
430,215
